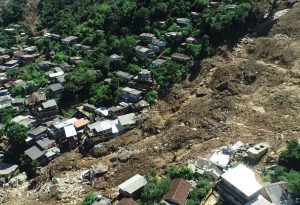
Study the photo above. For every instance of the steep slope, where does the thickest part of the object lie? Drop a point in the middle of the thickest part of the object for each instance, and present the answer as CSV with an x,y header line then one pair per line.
x,y
252,95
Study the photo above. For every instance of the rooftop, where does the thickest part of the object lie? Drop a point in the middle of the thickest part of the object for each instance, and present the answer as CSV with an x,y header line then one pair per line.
x,y
37,130
178,192
128,119
45,142
6,169
55,87
133,184
132,91
81,122
70,131
34,153
243,179
49,104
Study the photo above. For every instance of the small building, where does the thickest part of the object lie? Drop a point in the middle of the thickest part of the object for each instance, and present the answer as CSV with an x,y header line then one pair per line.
x,y
75,60
183,21
259,200
208,169
5,101
49,110
18,101
159,63
57,129
81,124
52,36
56,90
143,81
173,35
160,44
44,65
35,154
70,40
257,152
70,131
147,37
12,64
52,153
143,53
124,75
127,121
191,40
141,105
37,133
89,108
180,57
178,192
102,111
45,143
7,171
115,58
121,109
239,185
27,121
277,193
130,95
28,58
220,159
30,49
133,186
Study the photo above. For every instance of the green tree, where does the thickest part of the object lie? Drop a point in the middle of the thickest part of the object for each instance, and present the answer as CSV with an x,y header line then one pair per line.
x,y
6,115
290,157
60,57
133,69
152,96
181,172
30,167
17,134
17,91
88,199
100,93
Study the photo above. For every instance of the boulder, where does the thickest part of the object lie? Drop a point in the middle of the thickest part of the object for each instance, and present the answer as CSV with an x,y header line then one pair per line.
x,y
101,169
124,156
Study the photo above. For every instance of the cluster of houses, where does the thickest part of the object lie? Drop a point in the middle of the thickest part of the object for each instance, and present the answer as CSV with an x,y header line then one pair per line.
x,y
237,185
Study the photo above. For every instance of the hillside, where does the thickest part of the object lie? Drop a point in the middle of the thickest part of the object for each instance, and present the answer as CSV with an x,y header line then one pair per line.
x,y
250,93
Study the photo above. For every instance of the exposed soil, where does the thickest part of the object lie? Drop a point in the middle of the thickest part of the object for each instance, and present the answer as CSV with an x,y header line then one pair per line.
x,y
253,95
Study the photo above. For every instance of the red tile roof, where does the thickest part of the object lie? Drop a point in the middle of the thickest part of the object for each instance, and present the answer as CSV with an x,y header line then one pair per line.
x,y
178,192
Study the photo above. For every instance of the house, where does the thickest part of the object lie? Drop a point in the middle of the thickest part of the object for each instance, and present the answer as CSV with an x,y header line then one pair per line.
x,y
133,186
3,51
121,109
37,133
108,128
127,201
81,124
7,171
143,53
130,95
191,40
28,58
238,185
12,64
141,105
102,111
89,108
44,65
257,152
27,121
115,58
159,63
220,159
4,92
18,54
207,168
173,35
52,36
5,101
123,75
147,37
45,143
56,90
57,129
127,121
143,81
30,49
70,40
178,192
48,110
35,154
180,57
18,101
52,153
70,131
160,44
81,113
75,60
183,21
277,193
35,98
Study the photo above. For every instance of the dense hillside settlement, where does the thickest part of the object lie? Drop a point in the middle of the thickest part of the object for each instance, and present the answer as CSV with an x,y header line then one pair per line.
x,y
97,102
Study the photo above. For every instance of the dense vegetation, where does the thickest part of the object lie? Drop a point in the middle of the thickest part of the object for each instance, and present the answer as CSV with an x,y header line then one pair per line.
x,y
113,27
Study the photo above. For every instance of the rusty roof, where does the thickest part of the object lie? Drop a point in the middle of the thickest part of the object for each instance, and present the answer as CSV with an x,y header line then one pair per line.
x,y
127,201
81,122
178,191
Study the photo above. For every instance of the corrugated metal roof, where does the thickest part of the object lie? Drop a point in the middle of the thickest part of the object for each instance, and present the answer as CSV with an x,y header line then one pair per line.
x,y
133,184
70,131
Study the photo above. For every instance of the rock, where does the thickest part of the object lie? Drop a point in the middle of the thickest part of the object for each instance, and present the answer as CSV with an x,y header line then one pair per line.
x,y
56,180
124,156
17,180
222,86
101,169
201,92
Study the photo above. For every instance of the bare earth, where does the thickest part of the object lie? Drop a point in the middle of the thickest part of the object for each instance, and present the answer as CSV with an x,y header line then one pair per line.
x,y
260,102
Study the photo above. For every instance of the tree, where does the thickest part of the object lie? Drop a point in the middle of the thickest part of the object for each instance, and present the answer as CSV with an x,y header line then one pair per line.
x,y
100,93
182,172
17,134
88,199
151,97
60,57
290,157
6,115
133,69
30,167
17,91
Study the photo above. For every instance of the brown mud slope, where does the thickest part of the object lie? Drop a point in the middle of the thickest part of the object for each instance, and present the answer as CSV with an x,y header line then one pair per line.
x,y
252,95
